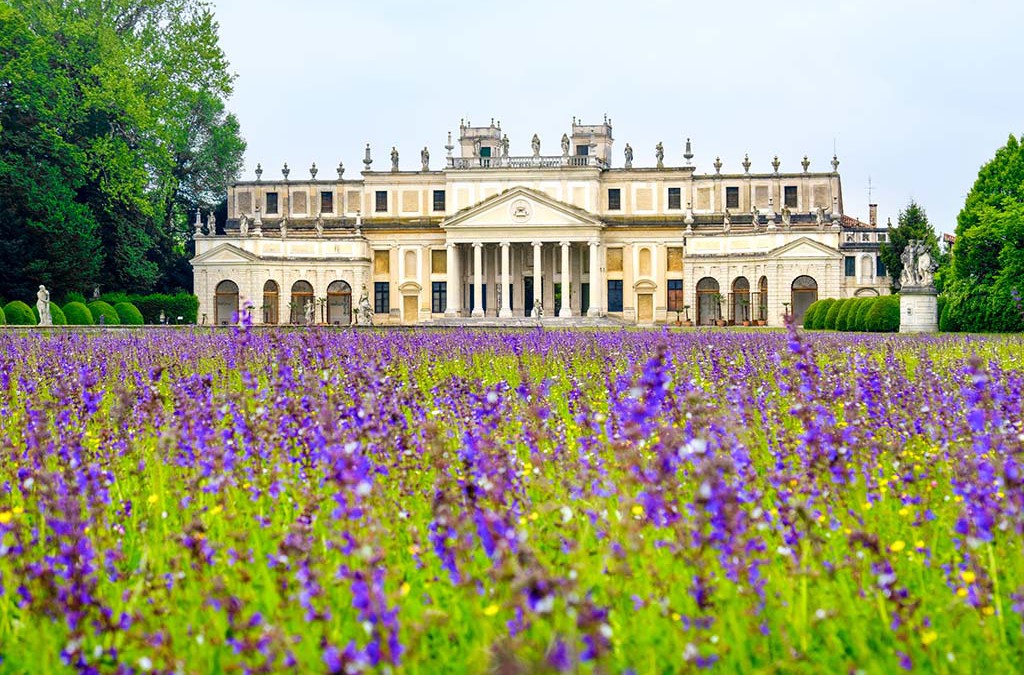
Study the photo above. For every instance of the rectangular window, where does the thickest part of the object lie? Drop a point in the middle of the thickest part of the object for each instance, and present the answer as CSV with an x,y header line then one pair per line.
x,y
880,267
614,199
439,261
582,150
382,201
438,297
381,262
851,266
675,295
381,297
732,197
439,200
271,202
881,238
326,202
674,198
615,295
485,151
789,196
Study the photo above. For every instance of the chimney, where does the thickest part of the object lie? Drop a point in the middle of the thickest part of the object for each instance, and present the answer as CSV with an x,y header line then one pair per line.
x,y
873,214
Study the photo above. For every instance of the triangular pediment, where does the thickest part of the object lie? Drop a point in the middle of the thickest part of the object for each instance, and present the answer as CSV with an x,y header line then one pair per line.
x,y
521,207
224,254
804,248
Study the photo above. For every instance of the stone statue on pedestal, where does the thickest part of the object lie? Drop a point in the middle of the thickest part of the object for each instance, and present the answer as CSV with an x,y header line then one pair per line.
x,y
243,226
394,158
787,218
659,154
318,225
535,144
726,221
284,227
819,218
629,156
918,268
365,314
565,145
918,297
310,312
211,224
504,146
425,158
43,305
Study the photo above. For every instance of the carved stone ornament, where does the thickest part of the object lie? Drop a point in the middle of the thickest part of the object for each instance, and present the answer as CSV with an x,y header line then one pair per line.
x,y
775,164
806,163
520,210
718,165
746,163
313,171
259,172
285,171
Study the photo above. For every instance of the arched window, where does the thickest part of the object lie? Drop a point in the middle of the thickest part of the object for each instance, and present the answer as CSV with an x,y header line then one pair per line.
x,y
339,303
645,262
709,307
762,299
740,299
303,304
805,293
225,308
410,264
271,302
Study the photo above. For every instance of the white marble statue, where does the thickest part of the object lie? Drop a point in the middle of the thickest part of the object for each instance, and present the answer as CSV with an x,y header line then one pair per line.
x,y
565,145
284,227
365,314
535,145
243,226
787,218
629,156
726,221
43,305
425,158
659,154
918,268
310,312
819,218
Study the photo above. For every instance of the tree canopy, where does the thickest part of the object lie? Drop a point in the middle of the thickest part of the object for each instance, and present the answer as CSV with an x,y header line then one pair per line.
x,y
988,256
113,129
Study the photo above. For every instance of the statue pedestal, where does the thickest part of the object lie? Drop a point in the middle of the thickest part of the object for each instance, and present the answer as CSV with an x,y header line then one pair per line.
x,y
919,309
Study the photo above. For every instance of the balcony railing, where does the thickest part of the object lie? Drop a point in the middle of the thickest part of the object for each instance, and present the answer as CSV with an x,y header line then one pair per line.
x,y
525,162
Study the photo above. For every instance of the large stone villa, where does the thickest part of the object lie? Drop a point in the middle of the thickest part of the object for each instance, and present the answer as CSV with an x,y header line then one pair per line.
x,y
563,234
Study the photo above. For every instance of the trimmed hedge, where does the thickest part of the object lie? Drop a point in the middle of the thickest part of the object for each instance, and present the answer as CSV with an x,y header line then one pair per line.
x,y
884,315
843,318
56,314
184,305
860,314
809,315
819,316
3,317
129,314
103,313
833,314
78,314
19,314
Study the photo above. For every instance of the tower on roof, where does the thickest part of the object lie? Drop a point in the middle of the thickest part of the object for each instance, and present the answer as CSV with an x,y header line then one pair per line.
x,y
480,141
593,139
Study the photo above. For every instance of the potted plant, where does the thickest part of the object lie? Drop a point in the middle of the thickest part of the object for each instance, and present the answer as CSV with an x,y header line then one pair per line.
x,y
720,302
762,312
687,322
679,321
744,309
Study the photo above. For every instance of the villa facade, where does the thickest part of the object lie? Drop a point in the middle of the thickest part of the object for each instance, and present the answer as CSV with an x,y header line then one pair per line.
x,y
557,235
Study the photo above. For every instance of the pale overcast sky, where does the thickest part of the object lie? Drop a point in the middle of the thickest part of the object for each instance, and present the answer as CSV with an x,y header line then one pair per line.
x,y
915,94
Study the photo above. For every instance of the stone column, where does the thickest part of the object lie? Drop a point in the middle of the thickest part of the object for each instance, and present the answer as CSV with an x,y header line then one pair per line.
x,y
478,279
538,277
454,292
506,308
595,281
566,310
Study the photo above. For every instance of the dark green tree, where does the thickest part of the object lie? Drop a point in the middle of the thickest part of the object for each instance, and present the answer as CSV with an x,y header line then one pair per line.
x,y
912,223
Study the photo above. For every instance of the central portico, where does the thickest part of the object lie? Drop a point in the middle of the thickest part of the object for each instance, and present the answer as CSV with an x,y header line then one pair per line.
x,y
523,253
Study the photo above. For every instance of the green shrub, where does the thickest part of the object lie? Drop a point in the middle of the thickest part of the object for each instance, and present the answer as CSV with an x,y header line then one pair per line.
x,y
56,314
860,314
19,314
104,313
809,314
184,305
819,316
114,298
129,314
74,296
3,317
78,314
884,315
833,314
843,317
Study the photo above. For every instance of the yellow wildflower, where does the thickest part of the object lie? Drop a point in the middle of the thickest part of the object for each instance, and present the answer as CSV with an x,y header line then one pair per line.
x,y
491,610
403,590
988,611
216,509
638,510
533,516
904,511
961,592
676,616
6,517
897,546
415,550
929,637
18,510
919,543
153,499
968,576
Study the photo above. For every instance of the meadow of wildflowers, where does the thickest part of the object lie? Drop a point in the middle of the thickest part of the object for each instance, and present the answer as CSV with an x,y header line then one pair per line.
x,y
461,501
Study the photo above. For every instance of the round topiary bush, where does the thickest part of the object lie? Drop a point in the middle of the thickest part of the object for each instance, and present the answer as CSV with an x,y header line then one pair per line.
x,y
56,314
104,314
78,314
809,315
843,318
860,314
19,314
884,315
819,316
129,314
833,314
3,317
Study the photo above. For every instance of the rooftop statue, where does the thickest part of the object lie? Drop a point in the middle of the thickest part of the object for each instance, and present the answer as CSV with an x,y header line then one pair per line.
x,y
565,145
425,158
535,144
659,154
394,158
629,156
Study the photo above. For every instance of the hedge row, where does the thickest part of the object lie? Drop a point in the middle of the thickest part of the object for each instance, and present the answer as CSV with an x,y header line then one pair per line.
x,y
875,314
18,313
184,305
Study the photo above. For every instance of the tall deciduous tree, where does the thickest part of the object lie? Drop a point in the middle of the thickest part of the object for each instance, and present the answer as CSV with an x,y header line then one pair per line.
x,y
114,129
911,224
